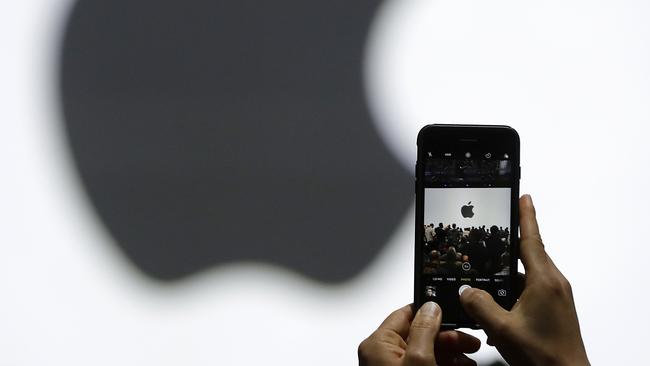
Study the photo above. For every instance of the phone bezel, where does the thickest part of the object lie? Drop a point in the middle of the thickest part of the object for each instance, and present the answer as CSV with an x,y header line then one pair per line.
x,y
494,138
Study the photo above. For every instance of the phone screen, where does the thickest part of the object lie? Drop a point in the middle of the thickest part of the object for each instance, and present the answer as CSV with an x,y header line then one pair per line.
x,y
466,227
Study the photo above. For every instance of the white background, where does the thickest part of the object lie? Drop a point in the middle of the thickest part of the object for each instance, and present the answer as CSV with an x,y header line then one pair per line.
x,y
573,77
491,206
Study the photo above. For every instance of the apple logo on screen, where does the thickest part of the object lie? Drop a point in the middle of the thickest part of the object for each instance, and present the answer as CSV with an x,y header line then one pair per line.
x,y
216,132
467,210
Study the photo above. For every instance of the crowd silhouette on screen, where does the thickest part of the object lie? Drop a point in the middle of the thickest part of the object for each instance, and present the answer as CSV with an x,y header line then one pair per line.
x,y
474,250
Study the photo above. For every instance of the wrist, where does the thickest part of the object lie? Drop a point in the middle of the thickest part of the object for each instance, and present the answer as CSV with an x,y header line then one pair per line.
x,y
562,360
575,361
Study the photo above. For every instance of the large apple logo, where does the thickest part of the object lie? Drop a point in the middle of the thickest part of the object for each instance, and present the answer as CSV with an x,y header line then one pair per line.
x,y
467,210
212,132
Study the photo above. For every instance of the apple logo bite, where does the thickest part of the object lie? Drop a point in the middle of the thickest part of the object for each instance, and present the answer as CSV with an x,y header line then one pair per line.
x,y
209,133
467,210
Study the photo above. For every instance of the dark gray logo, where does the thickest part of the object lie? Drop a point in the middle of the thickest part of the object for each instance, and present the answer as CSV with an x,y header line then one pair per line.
x,y
467,210
210,132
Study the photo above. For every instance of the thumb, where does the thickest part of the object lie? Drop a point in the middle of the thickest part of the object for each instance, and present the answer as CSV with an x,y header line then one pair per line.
x,y
424,330
481,307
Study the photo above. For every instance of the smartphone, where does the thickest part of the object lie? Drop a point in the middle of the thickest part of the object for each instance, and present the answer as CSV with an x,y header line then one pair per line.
x,y
466,216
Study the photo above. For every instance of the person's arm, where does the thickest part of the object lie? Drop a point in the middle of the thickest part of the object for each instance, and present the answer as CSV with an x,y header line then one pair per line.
x,y
407,340
542,328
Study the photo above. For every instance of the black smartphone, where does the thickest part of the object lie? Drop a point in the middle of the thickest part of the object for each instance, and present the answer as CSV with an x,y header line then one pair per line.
x,y
466,216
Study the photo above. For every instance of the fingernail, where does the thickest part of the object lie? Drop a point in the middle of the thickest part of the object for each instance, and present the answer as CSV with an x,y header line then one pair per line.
x,y
430,308
530,199
463,288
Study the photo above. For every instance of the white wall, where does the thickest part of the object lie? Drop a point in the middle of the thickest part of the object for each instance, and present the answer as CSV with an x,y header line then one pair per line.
x,y
491,206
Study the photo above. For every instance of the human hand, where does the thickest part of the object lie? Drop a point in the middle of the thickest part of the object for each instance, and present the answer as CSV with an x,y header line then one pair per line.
x,y
405,340
542,328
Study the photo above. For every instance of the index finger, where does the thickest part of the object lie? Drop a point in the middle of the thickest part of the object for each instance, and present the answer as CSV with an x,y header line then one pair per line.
x,y
399,321
454,342
533,255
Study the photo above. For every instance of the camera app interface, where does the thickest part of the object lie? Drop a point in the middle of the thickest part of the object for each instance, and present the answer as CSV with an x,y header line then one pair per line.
x,y
467,230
